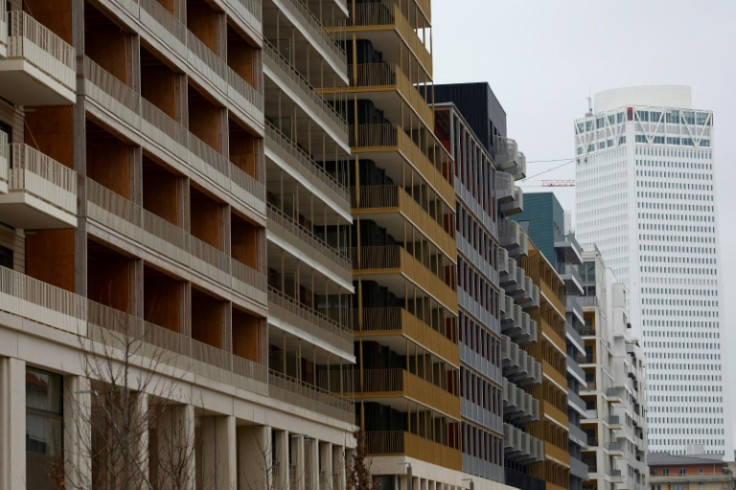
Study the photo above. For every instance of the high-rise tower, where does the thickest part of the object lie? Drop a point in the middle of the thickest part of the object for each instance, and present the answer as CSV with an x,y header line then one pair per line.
x,y
646,198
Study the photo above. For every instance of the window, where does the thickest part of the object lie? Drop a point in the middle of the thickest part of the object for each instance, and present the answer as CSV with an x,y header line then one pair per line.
x,y
44,426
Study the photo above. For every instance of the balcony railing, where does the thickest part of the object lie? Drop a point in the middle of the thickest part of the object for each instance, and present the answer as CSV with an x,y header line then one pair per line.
x,y
42,193
55,307
404,383
46,73
308,170
172,141
274,61
314,29
367,259
383,15
393,197
313,247
242,99
283,307
521,447
398,321
3,30
413,446
366,138
291,390
390,76
149,230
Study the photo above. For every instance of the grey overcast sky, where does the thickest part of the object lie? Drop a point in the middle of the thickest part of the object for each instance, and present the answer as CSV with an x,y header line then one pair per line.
x,y
542,60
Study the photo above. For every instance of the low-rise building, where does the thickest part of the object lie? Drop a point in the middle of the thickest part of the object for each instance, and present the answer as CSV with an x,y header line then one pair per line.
x,y
689,472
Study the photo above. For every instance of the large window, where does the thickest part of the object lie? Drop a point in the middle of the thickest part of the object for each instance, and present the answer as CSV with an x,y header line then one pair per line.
x,y
44,428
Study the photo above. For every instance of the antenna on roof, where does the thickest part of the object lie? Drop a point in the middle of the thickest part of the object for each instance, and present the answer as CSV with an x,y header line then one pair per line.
x,y
590,103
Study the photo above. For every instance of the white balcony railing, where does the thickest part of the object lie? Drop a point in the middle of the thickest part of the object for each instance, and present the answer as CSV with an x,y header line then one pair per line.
x,y
4,161
42,193
39,66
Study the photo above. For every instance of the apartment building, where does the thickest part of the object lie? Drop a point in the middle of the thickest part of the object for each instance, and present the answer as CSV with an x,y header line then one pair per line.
x,y
472,123
546,223
615,395
690,471
406,383
175,219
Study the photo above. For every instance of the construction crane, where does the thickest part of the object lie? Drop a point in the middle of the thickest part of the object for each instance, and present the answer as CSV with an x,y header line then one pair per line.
x,y
558,183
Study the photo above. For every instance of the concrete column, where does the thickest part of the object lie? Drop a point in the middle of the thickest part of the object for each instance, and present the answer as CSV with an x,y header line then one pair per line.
x,y
281,459
311,463
255,461
297,468
77,432
218,453
339,468
175,448
326,471
12,424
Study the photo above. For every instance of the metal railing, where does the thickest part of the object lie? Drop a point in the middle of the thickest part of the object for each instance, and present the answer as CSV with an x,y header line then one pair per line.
x,y
299,393
304,239
412,445
323,107
309,319
52,182
318,30
48,52
310,169
155,232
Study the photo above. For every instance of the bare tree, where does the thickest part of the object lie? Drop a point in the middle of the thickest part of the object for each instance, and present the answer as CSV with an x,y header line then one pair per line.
x,y
136,432
358,468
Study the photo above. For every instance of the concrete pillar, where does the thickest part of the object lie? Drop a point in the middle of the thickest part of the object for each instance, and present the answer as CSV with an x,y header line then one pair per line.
x,y
77,432
176,448
255,461
218,453
339,468
311,463
12,424
281,459
296,462
326,471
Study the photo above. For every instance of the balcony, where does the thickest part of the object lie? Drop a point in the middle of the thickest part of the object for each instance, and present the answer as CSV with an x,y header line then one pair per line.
x,y
614,422
285,153
395,443
399,383
578,468
381,138
368,200
380,261
613,396
4,161
115,103
517,324
572,306
508,157
381,77
577,403
569,246
375,323
289,314
314,32
574,369
616,476
578,436
518,366
518,405
304,96
521,447
148,235
39,67
514,205
304,395
379,16
513,238
288,234
573,282
3,30
615,449
42,193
